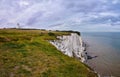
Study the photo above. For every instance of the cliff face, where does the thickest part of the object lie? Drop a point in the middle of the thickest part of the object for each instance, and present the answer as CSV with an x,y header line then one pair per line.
x,y
71,45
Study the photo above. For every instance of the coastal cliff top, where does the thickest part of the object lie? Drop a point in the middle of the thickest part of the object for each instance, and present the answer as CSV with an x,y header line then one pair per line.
x,y
27,53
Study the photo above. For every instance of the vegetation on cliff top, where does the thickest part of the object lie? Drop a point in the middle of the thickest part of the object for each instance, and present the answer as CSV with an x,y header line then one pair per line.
x,y
27,53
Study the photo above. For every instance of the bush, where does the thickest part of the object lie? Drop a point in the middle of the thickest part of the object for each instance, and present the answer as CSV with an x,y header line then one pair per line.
x,y
72,32
51,34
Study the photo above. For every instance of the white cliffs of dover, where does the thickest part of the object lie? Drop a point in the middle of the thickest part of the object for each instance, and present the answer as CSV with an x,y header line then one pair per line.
x,y
71,45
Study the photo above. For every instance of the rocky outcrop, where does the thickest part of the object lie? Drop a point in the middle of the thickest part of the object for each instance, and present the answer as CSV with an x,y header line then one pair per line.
x,y
71,45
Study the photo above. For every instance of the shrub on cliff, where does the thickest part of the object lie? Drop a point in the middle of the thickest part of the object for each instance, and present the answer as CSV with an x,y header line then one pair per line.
x,y
51,34
70,31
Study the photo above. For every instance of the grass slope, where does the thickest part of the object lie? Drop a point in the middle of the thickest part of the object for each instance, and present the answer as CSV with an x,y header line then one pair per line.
x,y
27,53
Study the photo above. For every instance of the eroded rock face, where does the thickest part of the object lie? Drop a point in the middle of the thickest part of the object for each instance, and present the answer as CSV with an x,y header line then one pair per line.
x,y
70,45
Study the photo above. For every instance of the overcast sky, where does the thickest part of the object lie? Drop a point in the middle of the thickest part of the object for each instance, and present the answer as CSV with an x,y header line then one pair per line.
x,y
81,15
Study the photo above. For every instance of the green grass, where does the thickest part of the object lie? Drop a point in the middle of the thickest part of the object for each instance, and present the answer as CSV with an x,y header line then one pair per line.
x,y
27,53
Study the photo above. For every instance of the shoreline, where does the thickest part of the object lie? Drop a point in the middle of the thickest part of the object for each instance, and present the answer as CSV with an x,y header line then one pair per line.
x,y
85,46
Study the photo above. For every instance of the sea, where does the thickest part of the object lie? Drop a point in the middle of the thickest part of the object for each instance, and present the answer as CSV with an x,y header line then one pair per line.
x,y
104,48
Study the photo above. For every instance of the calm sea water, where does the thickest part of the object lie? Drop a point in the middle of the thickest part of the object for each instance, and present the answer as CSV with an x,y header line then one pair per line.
x,y
106,46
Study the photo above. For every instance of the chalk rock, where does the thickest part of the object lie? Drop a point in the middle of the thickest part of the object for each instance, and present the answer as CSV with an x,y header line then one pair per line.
x,y
71,45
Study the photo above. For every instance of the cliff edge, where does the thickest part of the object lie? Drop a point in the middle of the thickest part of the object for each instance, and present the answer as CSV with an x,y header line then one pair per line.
x,y
71,45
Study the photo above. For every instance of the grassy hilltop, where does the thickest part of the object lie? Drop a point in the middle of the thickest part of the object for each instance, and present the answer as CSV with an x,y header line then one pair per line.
x,y
27,53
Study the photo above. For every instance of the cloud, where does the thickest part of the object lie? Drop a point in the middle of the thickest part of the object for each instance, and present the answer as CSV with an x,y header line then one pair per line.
x,y
24,3
61,14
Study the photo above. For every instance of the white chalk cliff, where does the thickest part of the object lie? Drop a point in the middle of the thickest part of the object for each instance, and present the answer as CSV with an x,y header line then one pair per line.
x,y
71,45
